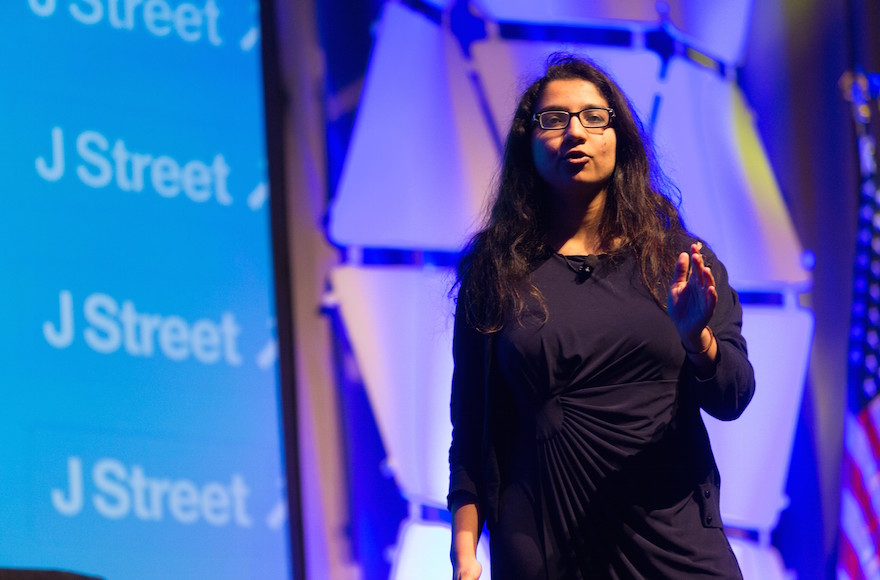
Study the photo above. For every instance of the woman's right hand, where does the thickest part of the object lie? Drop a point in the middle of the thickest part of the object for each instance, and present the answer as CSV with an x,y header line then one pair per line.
x,y
465,535
470,569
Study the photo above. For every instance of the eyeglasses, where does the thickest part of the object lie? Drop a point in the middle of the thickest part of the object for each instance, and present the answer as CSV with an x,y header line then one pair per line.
x,y
592,118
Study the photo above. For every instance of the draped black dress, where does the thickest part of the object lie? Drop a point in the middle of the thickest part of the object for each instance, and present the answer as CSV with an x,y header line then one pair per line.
x,y
580,438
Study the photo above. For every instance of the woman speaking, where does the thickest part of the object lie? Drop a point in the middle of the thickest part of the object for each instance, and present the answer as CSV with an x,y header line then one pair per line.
x,y
591,327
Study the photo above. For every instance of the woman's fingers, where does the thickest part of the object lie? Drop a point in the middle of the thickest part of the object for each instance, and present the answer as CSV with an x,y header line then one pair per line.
x,y
680,274
692,295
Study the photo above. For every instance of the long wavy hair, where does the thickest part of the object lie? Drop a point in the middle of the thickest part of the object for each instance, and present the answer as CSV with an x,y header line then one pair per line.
x,y
639,208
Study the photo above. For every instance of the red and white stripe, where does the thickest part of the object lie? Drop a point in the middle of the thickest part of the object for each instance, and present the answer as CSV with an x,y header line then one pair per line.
x,y
859,543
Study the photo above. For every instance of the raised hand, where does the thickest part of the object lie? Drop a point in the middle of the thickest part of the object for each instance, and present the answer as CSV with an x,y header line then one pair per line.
x,y
692,299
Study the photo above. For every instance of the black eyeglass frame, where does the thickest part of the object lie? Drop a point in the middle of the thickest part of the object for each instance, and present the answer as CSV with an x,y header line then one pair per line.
x,y
536,118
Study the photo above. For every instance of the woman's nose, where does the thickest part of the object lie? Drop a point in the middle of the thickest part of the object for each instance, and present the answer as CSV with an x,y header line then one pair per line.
x,y
575,129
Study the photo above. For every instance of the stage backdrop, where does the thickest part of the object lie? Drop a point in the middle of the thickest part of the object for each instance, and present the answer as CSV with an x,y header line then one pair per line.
x,y
139,418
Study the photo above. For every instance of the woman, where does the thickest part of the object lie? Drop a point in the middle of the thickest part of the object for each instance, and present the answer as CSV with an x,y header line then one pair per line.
x,y
590,330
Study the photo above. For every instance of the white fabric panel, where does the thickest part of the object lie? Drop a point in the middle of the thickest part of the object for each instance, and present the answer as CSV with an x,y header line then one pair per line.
x,y
753,452
719,28
759,562
708,144
507,67
423,552
399,321
421,155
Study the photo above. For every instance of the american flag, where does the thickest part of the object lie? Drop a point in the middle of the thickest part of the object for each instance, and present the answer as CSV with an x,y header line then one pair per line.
x,y
859,540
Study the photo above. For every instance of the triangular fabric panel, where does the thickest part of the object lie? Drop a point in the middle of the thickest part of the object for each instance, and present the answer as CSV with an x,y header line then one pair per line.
x,y
422,155
707,142
754,479
399,321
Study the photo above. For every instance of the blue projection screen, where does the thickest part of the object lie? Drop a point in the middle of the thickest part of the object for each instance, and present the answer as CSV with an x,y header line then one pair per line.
x,y
140,421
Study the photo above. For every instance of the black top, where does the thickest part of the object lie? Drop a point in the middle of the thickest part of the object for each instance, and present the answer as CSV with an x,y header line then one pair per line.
x,y
580,437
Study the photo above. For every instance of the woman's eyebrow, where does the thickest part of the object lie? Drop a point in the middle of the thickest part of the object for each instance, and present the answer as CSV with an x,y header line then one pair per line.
x,y
561,108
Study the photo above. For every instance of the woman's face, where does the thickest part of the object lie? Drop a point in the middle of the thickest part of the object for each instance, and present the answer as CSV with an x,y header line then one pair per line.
x,y
573,160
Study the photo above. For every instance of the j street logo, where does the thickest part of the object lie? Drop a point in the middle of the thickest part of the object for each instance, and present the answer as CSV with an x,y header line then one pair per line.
x,y
111,326
159,18
101,165
116,491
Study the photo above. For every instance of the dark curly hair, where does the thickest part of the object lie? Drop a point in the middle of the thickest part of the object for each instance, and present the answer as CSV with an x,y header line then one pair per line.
x,y
639,208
